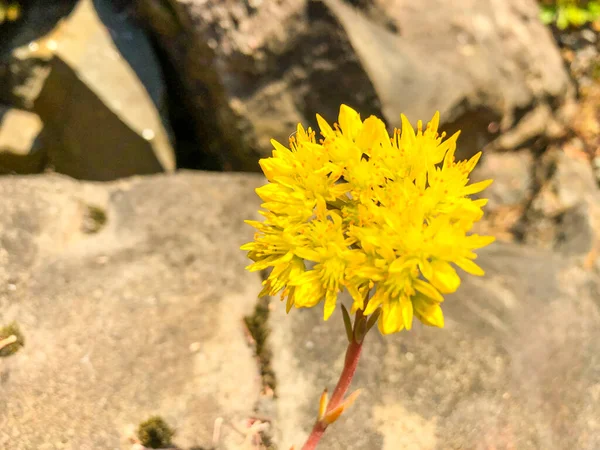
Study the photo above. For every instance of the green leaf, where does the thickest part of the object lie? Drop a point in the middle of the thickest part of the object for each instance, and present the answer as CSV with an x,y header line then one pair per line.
x,y
347,323
360,329
548,14
373,319
576,16
562,20
593,11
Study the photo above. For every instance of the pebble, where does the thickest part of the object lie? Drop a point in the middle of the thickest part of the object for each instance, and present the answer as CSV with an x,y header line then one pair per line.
x,y
589,36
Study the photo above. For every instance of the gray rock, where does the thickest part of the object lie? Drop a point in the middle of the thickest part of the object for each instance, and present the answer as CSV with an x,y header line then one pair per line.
x,y
20,147
253,71
508,196
491,68
512,173
515,367
262,66
101,101
137,315
565,211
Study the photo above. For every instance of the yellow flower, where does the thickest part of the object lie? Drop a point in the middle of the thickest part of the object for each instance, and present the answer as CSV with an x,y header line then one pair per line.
x,y
362,211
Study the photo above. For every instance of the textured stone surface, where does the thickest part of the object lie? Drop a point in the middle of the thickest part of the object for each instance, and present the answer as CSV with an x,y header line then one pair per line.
x,y
252,71
101,102
510,193
517,366
131,297
488,66
565,212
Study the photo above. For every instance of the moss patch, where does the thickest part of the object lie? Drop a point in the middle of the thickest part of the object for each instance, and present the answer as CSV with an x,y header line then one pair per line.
x,y
94,219
258,327
155,433
7,331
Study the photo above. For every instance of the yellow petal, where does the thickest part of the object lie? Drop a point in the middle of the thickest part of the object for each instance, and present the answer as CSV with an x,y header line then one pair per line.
x,y
429,313
469,266
425,268
378,298
408,136
373,132
428,290
390,320
307,253
407,312
349,121
477,241
330,301
358,296
290,299
326,129
476,187
435,122
471,163
445,278
309,294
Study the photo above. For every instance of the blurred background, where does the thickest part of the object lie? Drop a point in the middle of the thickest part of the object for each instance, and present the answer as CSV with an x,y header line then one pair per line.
x,y
130,133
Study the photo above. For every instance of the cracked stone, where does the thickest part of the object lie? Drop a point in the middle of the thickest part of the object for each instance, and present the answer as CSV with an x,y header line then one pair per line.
x,y
108,345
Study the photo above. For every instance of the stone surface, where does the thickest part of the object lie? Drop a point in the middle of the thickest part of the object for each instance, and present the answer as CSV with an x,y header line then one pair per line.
x,y
101,100
20,148
253,71
516,366
264,66
97,85
510,192
131,298
564,213
487,67
512,173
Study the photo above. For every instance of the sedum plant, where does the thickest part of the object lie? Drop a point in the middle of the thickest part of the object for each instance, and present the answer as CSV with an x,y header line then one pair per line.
x,y
569,13
387,218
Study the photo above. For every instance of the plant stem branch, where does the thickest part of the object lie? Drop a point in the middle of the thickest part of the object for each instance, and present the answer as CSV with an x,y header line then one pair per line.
x,y
350,363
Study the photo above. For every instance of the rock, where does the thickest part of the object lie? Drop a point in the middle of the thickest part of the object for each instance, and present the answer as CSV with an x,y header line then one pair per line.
x,y
509,194
141,315
20,148
512,174
515,367
252,72
261,67
97,85
483,70
565,211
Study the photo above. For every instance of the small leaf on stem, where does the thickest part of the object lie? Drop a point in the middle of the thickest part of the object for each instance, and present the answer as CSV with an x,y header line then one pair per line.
x,y
323,402
373,319
336,412
347,323
360,329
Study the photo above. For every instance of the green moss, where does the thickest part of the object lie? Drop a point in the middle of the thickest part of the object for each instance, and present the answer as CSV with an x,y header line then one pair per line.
x,y
569,13
94,219
7,331
155,433
258,327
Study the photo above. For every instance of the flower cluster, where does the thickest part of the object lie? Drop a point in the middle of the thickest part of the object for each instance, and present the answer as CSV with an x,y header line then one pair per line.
x,y
361,211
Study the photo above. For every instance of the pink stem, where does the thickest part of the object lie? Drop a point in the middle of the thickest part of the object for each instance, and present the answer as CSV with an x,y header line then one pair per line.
x,y
350,363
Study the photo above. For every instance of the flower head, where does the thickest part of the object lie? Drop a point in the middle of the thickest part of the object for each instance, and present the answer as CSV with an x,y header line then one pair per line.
x,y
363,211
